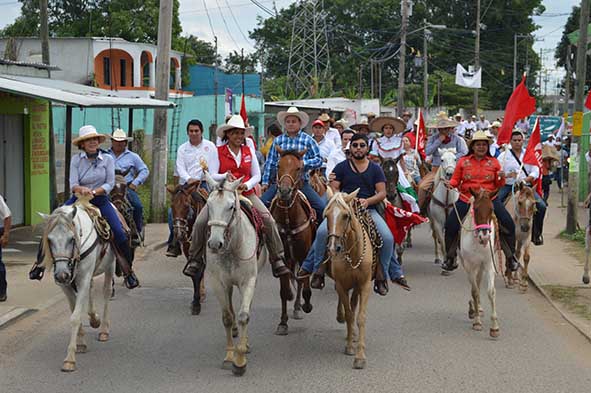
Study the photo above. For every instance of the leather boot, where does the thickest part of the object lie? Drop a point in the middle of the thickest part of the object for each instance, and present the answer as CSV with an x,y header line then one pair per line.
x,y
278,267
537,228
174,249
449,264
193,267
122,257
451,246
318,278
380,287
512,264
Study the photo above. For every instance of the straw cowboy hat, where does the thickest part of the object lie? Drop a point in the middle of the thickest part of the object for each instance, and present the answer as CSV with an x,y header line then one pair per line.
x,y
550,153
120,136
362,123
444,122
325,117
496,124
235,121
479,136
293,111
378,124
344,123
88,132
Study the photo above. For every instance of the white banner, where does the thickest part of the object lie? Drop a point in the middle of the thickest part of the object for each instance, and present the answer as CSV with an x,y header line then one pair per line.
x,y
468,78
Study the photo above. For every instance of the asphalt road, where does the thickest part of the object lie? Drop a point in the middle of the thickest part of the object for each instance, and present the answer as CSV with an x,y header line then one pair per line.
x,y
419,341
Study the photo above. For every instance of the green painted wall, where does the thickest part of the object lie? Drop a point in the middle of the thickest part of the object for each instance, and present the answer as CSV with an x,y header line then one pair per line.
x,y
584,148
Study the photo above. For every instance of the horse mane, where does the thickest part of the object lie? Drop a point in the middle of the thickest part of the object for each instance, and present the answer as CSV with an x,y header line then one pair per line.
x,y
337,199
119,179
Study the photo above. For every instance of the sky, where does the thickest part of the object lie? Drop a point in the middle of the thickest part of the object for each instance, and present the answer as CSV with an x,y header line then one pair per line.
x,y
232,19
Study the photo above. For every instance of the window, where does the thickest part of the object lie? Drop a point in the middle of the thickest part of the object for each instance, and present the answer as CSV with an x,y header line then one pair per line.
x,y
123,71
107,70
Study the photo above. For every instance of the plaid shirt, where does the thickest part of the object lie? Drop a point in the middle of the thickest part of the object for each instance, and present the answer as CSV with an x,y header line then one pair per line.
x,y
301,141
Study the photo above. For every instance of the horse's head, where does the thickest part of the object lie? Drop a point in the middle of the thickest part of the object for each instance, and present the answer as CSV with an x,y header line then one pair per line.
x,y
289,172
482,211
223,207
119,192
525,207
390,168
448,161
181,209
61,244
338,215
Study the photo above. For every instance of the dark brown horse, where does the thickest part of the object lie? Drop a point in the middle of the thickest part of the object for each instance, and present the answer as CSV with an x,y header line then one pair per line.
x,y
187,201
390,168
295,221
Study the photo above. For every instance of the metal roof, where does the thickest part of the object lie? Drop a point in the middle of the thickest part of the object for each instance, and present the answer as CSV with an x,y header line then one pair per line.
x,y
74,94
29,64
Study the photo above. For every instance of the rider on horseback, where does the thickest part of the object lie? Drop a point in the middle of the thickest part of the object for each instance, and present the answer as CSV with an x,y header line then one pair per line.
x,y
294,139
136,172
92,172
236,160
478,170
516,171
390,144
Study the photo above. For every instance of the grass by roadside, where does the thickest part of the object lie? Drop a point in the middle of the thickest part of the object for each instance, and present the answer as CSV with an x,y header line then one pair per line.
x,y
578,237
576,300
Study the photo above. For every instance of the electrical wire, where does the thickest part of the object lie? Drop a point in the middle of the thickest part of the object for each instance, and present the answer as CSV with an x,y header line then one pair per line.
x,y
238,24
226,25
262,7
209,19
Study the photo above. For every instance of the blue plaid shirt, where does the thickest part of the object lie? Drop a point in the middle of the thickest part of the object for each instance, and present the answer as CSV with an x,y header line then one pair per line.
x,y
301,141
128,160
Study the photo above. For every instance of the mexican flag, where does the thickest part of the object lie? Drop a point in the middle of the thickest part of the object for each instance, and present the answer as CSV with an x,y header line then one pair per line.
x,y
407,193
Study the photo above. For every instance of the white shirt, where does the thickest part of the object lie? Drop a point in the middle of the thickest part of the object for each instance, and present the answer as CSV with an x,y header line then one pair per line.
x,y
255,170
460,128
326,147
482,125
189,157
336,157
388,147
4,211
510,165
333,135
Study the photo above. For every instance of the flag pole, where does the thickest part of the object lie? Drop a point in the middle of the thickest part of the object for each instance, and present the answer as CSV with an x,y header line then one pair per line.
x,y
418,131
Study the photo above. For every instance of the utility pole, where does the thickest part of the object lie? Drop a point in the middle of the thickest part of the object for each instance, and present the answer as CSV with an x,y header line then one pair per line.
x,y
541,68
215,86
425,68
573,180
568,74
242,68
477,53
402,54
360,81
159,135
515,61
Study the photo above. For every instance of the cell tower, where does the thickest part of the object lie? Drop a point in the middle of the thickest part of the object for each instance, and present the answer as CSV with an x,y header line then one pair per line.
x,y
309,61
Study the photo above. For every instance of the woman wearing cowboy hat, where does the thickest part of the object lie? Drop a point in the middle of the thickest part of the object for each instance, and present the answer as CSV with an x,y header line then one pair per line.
x,y
390,144
235,160
92,173
478,170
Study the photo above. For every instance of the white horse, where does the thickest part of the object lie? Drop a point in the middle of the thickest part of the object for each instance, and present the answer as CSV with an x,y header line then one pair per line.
x,y
442,200
73,247
231,257
476,253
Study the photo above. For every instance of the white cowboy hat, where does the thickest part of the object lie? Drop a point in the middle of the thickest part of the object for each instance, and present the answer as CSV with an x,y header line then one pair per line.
x,y
120,136
496,124
325,117
378,124
88,132
293,111
343,123
235,121
362,123
444,123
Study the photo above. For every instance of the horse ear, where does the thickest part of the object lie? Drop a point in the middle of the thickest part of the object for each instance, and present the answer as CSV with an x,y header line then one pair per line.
x,y
210,182
440,151
474,193
350,197
518,186
44,216
279,150
72,214
235,184
170,189
453,150
302,153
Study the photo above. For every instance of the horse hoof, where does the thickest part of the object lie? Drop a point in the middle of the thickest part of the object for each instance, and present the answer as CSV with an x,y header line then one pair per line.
x,y
349,351
297,314
281,330
341,319
585,279
359,364
437,261
95,322
477,326
81,348
445,273
195,308
227,365
471,314
103,337
238,371
307,308
234,332
494,333
68,366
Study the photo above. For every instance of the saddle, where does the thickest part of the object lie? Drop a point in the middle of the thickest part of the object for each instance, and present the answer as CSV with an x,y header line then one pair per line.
x,y
256,219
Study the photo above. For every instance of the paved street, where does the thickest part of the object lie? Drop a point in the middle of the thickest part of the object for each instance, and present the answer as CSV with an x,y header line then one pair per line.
x,y
419,341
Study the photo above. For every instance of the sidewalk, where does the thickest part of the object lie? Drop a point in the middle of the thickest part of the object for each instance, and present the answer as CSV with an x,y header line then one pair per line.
x,y
26,296
558,262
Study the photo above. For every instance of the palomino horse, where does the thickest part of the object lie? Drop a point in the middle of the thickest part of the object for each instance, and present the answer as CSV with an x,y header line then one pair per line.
x,y
391,172
522,207
77,254
295,222
442,200
351,256
477,255
320,184
186,203
232,260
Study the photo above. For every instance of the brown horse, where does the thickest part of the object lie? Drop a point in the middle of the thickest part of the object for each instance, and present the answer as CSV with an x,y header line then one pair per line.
x,y
320,184
119,198
186,204
390,168
351,256
295,221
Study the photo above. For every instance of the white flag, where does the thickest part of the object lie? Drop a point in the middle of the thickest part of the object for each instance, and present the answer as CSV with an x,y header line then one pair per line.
x,y
467,78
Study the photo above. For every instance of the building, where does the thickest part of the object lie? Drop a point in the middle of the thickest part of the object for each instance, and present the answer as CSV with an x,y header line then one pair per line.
x,y
204,79
108,63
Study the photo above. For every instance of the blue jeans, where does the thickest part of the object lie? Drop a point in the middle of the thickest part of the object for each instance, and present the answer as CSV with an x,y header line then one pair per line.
x,y
317,202
395,268
138,209
316,254
3,283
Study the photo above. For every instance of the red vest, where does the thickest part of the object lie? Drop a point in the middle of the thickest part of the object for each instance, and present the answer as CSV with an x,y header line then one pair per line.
x,y
228,164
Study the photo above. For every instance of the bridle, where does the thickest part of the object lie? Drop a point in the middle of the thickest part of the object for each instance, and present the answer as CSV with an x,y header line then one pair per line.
x,y
295,184
224,224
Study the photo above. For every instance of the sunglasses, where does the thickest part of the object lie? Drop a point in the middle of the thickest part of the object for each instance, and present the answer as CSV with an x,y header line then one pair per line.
x,y
358,145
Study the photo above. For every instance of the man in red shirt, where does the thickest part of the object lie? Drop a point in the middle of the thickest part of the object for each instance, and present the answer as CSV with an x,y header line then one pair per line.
x,y
478,170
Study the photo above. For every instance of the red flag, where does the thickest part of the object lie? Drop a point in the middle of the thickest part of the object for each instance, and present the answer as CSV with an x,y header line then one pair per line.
x,y
421,136
401,221
588,101
533,153
243,113
520,105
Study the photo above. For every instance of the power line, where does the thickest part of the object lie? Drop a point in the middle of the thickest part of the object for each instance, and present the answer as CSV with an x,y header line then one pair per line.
x,y
226,24
238,24
209,18
262,7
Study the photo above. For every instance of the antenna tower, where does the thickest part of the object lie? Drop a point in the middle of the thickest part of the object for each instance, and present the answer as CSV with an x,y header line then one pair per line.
x,y
309,61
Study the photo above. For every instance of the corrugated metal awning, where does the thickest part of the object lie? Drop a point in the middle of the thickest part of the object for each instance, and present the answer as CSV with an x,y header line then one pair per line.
x,y
74,94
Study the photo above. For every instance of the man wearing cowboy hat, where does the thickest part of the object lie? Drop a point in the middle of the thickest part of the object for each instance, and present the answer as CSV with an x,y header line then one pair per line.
x,y
390,144
407,118
482,124
459,130
330,133
549,156
130,165
362,126
515,172
341,125
443,139
295,139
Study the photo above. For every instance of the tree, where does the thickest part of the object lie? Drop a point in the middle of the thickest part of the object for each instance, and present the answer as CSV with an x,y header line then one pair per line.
x,y
236,64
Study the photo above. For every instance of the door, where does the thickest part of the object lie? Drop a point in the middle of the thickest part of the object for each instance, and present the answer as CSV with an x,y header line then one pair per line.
x,y
12,165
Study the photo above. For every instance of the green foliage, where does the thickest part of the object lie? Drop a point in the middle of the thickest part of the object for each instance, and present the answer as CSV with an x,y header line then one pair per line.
x,y
236,64
577,237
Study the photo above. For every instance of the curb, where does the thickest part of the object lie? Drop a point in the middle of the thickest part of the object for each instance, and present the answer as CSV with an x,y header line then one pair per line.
x,y
14,315
578,326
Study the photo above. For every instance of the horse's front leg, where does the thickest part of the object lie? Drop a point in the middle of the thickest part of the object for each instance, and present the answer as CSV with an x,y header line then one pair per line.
x,y
475,280
349,317
105,326
247,290
297,304
224,295
360,358
524,284
94,319
284,291
76,323
490,281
